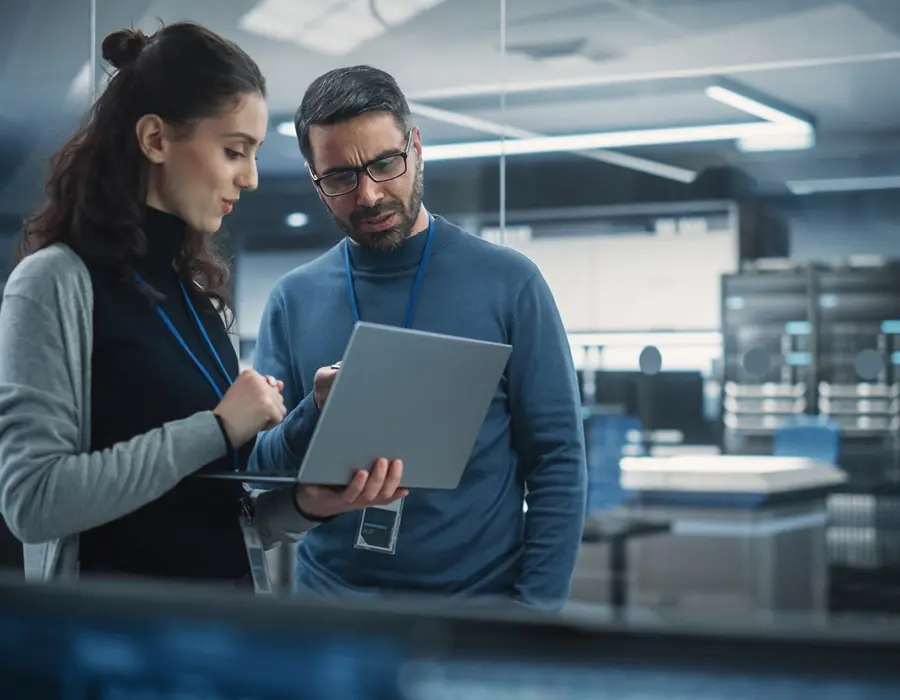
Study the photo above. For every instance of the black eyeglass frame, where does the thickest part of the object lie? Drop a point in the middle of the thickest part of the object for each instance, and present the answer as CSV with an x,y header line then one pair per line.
x,y
364,168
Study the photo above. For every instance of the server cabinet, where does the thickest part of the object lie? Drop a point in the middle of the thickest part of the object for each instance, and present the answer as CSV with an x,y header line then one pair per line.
x,y
768,356
826,341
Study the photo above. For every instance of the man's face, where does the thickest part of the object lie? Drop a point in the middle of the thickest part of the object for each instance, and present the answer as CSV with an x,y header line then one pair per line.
x,y
379,215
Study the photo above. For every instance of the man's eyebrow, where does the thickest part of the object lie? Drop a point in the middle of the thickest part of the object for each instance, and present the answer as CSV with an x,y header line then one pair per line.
x,y
378,156
242,135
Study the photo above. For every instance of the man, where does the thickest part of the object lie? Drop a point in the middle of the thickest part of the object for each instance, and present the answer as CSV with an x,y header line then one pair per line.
x,y
365,158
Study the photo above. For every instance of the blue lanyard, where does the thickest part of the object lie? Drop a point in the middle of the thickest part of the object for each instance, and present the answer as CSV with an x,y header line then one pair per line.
x,y
417,282
171,326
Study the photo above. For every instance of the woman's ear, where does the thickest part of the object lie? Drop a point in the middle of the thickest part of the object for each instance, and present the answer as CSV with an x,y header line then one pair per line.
x,y
151,135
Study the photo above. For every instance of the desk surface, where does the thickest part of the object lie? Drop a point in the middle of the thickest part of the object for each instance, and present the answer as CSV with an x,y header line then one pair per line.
x,y
728,474
621,526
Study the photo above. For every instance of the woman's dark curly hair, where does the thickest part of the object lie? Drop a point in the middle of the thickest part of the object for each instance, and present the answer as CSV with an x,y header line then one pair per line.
x,y
96,192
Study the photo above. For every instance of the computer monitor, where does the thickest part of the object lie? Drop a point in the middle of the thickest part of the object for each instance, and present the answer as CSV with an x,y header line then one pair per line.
x,y
668,401
138,642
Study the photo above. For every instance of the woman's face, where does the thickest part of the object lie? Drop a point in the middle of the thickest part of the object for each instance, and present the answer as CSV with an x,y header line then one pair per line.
x,y
199,178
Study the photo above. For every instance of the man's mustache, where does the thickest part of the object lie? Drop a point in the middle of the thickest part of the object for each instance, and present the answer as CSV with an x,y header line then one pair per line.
x,y
369,213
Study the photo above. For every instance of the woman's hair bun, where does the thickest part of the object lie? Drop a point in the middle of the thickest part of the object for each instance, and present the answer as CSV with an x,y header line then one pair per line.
x,y
121,48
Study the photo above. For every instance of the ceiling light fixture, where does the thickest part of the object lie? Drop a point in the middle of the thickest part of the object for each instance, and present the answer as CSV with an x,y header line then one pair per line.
x,y
608,139
623,160
844,184
287,129
776,129
800,141
798,132
751,106
776,124
296,220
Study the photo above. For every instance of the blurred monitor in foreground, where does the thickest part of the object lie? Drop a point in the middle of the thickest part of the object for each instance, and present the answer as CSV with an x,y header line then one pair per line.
x,y
138,642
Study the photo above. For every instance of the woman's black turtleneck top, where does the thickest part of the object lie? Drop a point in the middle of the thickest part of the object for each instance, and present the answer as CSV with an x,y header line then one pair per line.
x,y
141,379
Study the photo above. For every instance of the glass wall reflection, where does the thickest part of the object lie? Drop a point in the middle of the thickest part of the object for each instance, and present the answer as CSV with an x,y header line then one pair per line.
x,y
427,46
52,67
44,89
709,189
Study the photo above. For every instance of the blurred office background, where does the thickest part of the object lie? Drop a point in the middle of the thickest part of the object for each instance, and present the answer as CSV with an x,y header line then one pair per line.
x,y
710,188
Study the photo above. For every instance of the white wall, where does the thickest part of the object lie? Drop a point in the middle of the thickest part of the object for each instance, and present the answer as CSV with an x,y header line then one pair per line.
x,y
659,281
667,279
639,282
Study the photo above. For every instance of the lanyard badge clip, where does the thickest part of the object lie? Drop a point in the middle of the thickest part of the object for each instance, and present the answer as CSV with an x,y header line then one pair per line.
x,y
256,555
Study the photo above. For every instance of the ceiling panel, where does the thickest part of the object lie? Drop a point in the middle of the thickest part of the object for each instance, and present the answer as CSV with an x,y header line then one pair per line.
x,y
653,58
644,112
699,16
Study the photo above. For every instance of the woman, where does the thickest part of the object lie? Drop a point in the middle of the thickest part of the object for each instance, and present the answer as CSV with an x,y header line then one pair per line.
x,y
115,364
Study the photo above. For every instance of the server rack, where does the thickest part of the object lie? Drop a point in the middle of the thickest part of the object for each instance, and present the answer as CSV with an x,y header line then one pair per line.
x,y
858,379
831,338
768,351
859,389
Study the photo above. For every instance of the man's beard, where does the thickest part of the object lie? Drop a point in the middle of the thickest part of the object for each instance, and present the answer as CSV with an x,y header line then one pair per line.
x,y
390,238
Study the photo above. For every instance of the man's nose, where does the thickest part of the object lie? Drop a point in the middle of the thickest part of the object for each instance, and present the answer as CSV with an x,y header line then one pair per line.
x,y
368,193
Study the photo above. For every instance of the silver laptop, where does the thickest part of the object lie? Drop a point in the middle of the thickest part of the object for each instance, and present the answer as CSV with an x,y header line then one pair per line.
x,y
420,397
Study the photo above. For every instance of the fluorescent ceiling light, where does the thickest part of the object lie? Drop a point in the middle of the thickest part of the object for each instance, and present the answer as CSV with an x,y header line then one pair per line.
x,y
778,142
799,134
623,160
777,129
608,139
751,106
491,148
776,125
296,220
844,184
331,27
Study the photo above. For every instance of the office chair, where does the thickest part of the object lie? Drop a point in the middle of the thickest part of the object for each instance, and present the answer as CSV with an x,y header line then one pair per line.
x,y
812,437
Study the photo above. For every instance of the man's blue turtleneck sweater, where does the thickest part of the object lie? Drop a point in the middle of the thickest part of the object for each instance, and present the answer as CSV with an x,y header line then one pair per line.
x,y
475,541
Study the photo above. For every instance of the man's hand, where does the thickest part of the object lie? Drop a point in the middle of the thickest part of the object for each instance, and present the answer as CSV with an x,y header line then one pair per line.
x,y
322,382
377,487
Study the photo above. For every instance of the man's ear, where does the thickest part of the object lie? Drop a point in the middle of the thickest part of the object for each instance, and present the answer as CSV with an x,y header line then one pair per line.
x,y
417,142
152,138
312,176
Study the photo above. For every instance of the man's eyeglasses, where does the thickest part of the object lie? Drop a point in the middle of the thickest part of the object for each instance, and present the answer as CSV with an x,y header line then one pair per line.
x,y
380,170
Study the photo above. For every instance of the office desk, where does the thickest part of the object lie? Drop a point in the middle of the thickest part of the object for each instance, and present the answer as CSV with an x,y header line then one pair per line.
x,y
610,535
747,533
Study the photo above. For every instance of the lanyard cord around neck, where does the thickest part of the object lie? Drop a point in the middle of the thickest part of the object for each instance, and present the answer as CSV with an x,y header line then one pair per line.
x,y
417,282
181,341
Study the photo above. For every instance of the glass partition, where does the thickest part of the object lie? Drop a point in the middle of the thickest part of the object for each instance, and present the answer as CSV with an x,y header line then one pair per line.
x,y
45,84
710,191
429,46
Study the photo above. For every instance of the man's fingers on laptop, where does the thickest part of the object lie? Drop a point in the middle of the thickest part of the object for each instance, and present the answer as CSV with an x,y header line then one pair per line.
x,y
397,495
356,486
367,488
391,482
375,482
